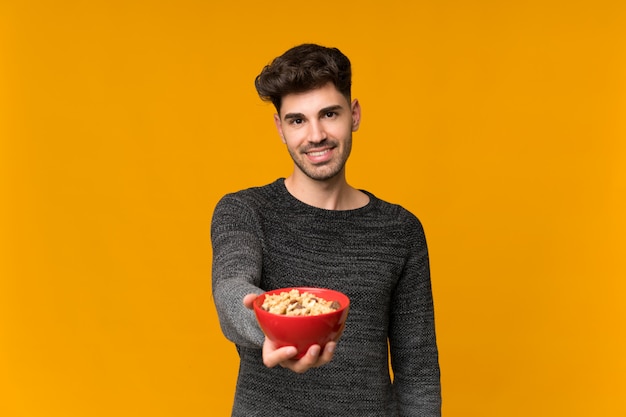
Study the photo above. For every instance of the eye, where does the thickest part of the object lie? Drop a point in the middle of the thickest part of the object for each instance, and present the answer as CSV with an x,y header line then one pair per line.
x,y
330,114
296,121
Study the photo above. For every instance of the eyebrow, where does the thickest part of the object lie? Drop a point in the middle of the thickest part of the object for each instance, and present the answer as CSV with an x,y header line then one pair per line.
x,y
291,116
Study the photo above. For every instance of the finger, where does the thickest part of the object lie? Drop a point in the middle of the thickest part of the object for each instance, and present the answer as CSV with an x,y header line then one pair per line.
x,y
327,354
273,356
248,300
308,361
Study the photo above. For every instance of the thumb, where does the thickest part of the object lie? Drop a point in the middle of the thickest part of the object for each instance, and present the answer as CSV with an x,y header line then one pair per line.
x,y
248,300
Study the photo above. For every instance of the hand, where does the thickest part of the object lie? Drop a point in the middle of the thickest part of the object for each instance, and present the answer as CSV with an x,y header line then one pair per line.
x,y
283,356
313,358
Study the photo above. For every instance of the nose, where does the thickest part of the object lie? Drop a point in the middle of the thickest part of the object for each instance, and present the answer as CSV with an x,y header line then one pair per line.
x,y
317,133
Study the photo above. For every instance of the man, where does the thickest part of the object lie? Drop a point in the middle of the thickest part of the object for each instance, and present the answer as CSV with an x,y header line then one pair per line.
x,y
314,229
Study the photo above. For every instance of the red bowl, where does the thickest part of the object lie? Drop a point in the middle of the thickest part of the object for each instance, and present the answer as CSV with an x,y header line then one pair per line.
x,y
303,331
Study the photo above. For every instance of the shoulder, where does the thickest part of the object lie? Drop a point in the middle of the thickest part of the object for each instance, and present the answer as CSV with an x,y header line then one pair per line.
x,y
243,207
249,197
400,221
392,211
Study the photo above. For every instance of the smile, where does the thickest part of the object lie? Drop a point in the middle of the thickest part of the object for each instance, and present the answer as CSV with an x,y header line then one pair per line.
x,y
320,156
318,153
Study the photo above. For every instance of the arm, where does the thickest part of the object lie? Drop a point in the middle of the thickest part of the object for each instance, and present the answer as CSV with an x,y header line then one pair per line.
x,y
237,266
412,338
236,269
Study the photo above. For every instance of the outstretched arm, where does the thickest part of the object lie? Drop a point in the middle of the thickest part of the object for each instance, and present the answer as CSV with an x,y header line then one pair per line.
x,y
236,269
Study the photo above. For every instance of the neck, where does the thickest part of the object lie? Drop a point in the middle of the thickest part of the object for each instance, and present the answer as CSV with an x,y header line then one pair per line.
x,y
331,194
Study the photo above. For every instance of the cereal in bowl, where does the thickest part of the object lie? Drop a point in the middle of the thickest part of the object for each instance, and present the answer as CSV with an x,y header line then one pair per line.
x,y
293,303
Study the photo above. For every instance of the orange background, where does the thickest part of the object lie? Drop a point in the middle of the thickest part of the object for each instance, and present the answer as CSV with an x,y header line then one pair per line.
x,y
500,124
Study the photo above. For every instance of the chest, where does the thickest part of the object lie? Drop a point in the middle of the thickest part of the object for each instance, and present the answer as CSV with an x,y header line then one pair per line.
x,y
361,258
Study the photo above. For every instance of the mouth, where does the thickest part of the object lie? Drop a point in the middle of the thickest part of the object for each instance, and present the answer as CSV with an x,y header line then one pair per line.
x,y
319,155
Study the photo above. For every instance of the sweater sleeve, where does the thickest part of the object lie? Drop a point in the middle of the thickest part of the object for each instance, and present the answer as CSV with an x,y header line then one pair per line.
x,y
413,346
236,269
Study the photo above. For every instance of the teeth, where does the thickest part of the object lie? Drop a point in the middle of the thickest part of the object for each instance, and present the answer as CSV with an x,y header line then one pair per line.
x,y
318,153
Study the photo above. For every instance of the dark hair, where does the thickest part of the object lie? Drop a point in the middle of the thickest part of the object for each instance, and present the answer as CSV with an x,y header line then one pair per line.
x,y
303,68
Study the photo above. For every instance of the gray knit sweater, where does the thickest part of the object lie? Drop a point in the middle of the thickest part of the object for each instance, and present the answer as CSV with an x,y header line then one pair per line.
x,y
263,238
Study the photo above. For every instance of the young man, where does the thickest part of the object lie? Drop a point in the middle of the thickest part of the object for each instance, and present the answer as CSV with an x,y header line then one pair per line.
x,y
314,229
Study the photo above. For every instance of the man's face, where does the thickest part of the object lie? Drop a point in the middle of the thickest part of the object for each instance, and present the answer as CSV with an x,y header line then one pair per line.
x,y
317,128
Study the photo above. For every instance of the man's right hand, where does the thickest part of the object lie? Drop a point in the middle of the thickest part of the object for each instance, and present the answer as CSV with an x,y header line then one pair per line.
x,y
283,356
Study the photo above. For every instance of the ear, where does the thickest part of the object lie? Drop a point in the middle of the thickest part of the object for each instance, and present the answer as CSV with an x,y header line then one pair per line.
x,y
356,115
279,127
